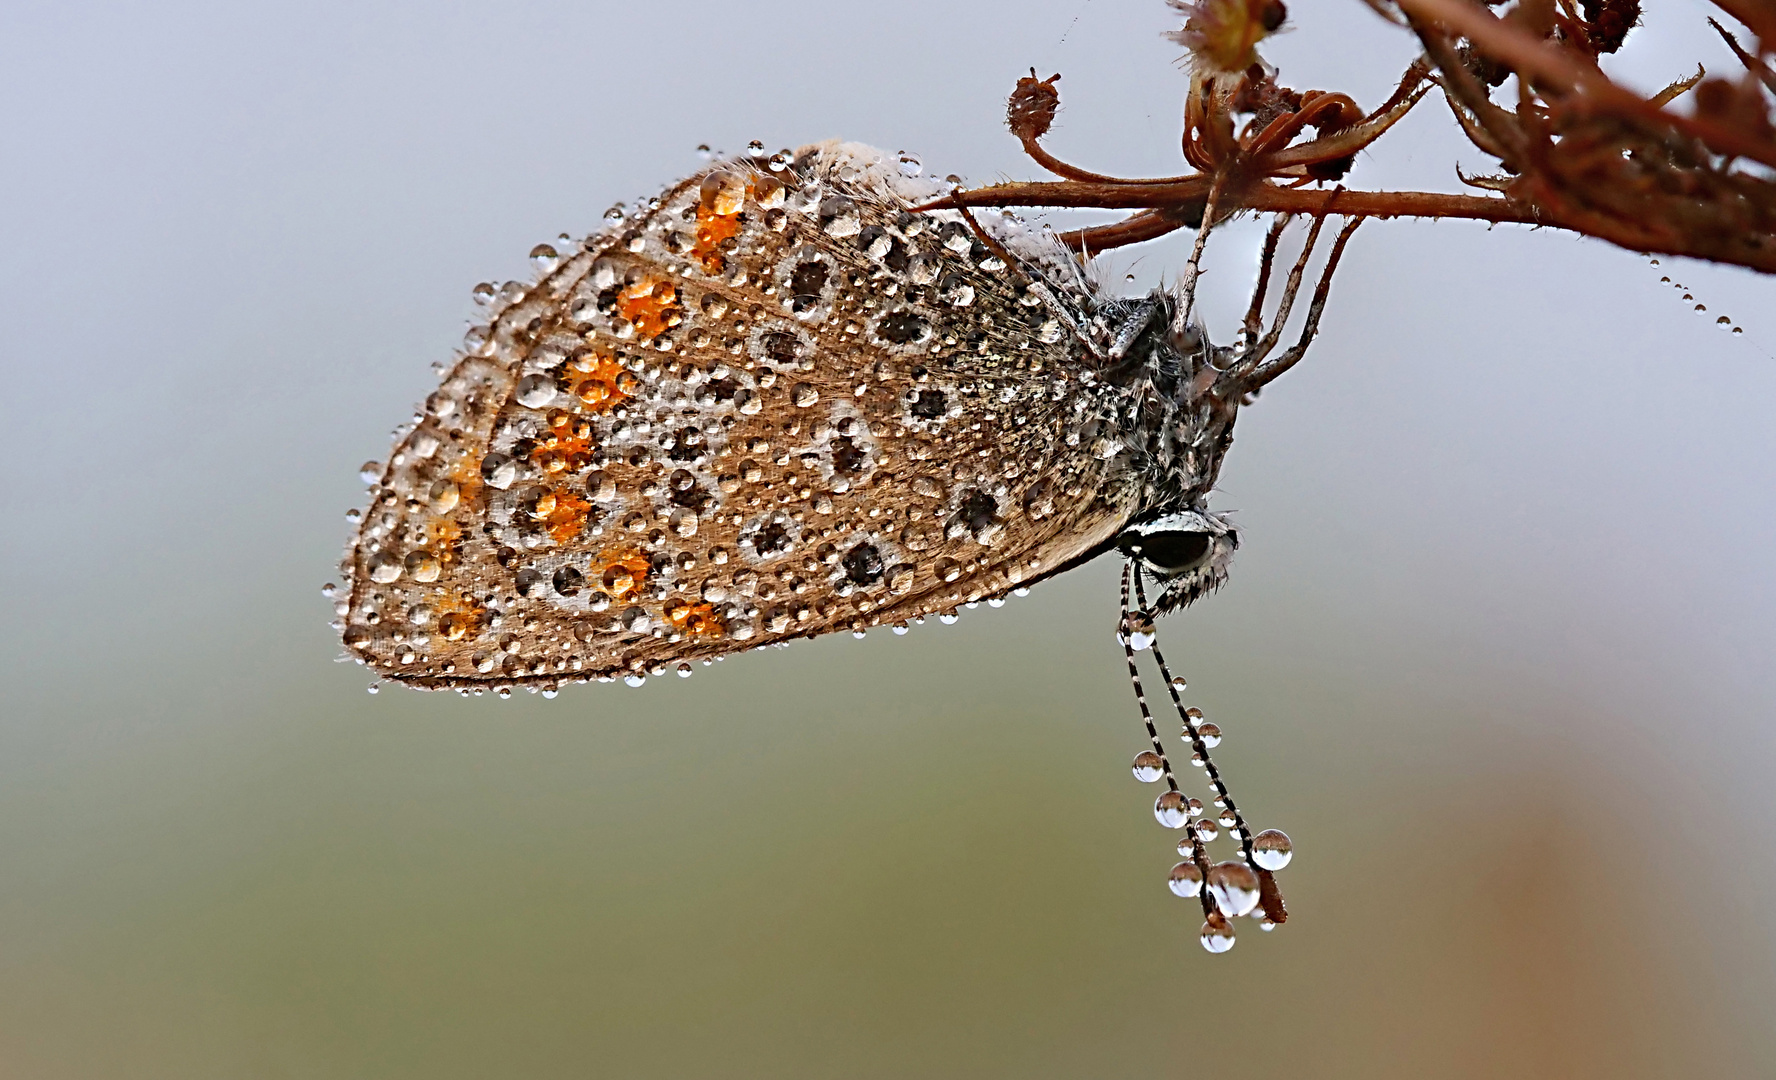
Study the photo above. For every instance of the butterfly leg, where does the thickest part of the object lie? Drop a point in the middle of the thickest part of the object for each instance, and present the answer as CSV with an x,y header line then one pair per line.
x,y
1261,375
1255,313
1257,351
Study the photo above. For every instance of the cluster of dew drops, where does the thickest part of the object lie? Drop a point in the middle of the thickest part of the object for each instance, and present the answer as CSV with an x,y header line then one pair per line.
x,y
371,471
1721,321
1232,884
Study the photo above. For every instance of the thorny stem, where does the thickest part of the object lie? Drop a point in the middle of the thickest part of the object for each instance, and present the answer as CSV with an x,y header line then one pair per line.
x,y
1752,63
1260,197
1584,154
1135,229
1543,61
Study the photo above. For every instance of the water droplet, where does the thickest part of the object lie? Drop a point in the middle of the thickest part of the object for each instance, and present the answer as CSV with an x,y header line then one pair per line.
x,y
1228,820
1217,933
498,470
1701,308
634,680
536,391
704,152
1211,735
1178,683
684,671
545,258
1196,808
483,293
1141,632
1148,767
443,496
384,568
1738,329
910,165
1206,831
423,566
1723,322
373,688
1234,885
329,589
755,149
1271,849
370,472
1185,880
1170,810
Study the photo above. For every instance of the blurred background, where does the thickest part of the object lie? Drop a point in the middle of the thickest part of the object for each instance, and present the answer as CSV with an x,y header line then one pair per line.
x,y
1496,652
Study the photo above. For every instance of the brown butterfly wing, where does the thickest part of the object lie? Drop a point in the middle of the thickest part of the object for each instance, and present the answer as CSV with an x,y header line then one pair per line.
x,y
775,406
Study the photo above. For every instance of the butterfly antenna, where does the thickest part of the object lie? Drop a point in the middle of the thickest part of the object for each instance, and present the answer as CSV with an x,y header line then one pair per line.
x,y
1128,631
1270,898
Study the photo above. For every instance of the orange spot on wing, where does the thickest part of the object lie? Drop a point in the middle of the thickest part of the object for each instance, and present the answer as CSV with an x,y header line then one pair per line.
x,y
466,474
651,304
597,383
620,573
567,447
444,536
712,230
697,619
458,617
568,517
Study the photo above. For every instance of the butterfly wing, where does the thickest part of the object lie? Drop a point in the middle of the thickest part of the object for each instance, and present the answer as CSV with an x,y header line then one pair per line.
x,y
775,405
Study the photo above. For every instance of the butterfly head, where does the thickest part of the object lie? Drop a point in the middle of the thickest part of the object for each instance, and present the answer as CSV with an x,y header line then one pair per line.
x,y
1186,551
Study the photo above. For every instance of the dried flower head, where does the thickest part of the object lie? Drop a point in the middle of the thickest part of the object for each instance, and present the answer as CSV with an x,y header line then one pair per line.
x,y
1222,34
1031,109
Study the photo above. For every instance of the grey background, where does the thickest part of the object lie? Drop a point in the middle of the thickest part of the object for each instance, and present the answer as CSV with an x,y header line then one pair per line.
x,y
1495,652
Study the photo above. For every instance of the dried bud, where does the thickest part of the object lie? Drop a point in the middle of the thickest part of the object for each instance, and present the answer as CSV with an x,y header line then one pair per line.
x,y
1259,95
1607,22
1221,34
1734,105
1032,106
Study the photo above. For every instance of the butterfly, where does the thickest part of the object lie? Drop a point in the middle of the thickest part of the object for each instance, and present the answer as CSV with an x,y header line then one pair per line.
x,y
789,397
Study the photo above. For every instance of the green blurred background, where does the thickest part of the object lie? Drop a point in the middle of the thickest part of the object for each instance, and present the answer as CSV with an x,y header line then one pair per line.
x,y
1496,652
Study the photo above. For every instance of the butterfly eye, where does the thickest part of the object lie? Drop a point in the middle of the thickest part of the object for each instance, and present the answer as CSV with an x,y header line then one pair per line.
x,y
1171,551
